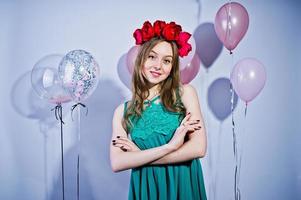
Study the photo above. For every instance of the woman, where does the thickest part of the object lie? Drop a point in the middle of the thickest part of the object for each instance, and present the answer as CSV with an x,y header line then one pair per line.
x,y
160,133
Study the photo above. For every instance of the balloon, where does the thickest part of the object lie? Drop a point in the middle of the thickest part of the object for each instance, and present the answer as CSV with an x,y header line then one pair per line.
x,y
187,59
219,98
231,24
131,58
191,70
248,77
123,72
45,80
79,73
208,46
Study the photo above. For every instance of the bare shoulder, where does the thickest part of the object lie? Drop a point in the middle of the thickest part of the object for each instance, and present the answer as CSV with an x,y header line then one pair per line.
x,y
118,113
190,99
119,108
189,93
188,88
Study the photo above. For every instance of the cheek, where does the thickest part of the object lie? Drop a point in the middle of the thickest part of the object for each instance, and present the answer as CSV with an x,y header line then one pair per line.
x,y
147,64
146,67
167,69
144,70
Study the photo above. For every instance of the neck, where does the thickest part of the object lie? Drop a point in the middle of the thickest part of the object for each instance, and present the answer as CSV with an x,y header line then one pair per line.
x,y
154,91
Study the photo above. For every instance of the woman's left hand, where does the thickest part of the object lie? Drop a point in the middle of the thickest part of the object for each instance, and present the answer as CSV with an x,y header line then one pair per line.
x,y
125,144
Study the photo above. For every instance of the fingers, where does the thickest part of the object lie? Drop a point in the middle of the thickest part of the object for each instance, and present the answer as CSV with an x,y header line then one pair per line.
x,y
125,139
189,126
186,118
122,146
191,122
120,141
192,127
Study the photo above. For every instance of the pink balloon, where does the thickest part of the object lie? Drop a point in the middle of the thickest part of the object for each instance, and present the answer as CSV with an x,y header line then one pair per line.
x,y
231,24
131,58
248,77
187,59
191,70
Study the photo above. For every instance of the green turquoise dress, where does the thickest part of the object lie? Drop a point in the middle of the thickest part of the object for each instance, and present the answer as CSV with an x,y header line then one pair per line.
x,y
181,181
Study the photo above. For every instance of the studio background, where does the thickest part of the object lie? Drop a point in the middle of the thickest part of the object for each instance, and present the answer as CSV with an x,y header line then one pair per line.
x,y
29,133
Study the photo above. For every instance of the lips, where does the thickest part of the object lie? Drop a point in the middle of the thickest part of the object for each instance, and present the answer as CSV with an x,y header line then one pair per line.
x,y
155,74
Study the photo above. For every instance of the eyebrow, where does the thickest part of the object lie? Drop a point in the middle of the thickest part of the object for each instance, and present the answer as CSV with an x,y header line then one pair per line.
x,y
157,54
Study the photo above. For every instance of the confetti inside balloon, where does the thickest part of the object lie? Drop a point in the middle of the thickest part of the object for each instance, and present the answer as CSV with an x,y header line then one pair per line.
x,y
79,73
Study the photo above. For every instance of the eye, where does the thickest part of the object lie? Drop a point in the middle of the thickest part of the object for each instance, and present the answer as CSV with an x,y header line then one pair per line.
x,y
167,61
151,56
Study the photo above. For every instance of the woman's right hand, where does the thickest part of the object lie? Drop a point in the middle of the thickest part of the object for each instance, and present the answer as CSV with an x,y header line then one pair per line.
x,y
185,127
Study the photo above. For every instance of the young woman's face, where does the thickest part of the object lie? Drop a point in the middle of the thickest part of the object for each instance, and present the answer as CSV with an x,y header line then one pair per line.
x,y
158,64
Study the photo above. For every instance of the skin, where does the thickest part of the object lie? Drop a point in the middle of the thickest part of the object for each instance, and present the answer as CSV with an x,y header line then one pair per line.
x,y
158,65
124,154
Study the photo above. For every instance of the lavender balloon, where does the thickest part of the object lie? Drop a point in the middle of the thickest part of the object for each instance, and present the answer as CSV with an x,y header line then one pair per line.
x,y
131,58
79,73
208,46
219,98
231,24
248,78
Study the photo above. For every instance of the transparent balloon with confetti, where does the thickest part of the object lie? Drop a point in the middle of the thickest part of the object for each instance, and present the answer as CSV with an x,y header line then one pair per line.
x,y
79,73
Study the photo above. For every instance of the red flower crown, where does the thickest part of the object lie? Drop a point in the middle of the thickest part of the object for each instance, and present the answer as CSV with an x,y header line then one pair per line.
x,y
170,32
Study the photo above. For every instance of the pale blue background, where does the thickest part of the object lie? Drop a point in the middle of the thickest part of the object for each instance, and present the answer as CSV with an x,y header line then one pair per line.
x,y
29,135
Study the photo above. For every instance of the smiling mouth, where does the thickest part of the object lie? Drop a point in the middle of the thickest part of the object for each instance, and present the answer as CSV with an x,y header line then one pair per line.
x,y
155,74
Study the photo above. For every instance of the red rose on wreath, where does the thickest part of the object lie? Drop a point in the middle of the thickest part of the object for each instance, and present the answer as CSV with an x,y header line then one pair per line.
x,y
171,31
158,27
183,38
147,31
182,41
138,36
184,50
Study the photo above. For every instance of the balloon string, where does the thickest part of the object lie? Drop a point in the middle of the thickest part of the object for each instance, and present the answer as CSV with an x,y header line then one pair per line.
x,y
236,190
78,104
232,116
232,108
228,32
241,154
78,155
235,140
199,12
58,112
210,143
217,161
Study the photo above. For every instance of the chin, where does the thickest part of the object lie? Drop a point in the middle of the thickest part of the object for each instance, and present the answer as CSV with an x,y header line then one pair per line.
x,y
155,81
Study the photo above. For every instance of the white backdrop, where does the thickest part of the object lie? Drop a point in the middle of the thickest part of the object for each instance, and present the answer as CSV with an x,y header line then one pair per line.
x,y
29,134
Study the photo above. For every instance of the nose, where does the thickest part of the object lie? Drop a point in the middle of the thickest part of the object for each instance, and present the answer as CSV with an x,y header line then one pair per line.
x,y
157,67
158,64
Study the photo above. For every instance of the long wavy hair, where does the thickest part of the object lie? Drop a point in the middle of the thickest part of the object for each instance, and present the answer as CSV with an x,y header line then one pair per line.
x,y
170,88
